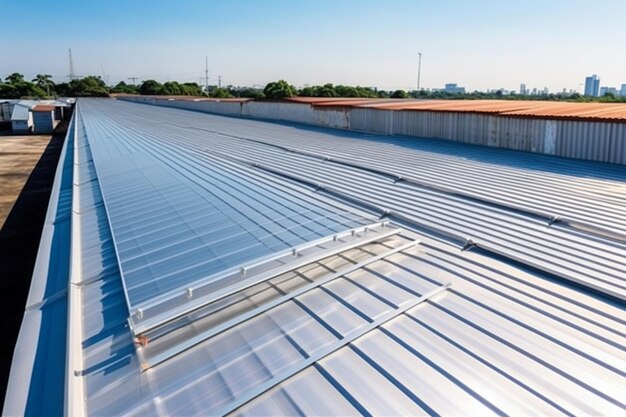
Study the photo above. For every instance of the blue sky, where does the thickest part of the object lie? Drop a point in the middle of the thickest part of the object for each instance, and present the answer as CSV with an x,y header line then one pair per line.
x,y
479,44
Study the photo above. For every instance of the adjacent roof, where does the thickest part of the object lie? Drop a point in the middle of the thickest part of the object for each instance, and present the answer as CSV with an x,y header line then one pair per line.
x,y
187,98
512,108
393,275
41,107
21,109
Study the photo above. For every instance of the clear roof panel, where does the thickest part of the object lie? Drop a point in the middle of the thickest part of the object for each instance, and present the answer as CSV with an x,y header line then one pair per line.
x,y
180,217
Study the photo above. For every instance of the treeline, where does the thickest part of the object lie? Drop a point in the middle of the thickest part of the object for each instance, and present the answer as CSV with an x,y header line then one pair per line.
x,y
282,89
42,86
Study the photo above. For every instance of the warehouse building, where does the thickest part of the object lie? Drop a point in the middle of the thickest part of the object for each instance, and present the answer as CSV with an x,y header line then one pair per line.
x,y
21,117
45,118
196,264
35,116
590,131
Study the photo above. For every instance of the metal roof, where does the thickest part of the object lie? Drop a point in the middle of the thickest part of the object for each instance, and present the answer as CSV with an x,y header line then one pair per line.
x,y
496,287
512,108
41,107
22,108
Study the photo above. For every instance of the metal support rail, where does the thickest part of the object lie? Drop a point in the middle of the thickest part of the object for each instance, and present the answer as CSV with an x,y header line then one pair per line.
x,y
198,295
321,354
149,362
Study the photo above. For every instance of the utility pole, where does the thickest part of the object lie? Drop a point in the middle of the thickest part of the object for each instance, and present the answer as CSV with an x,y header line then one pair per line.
x,y
419,70
219,81
133,79
206,75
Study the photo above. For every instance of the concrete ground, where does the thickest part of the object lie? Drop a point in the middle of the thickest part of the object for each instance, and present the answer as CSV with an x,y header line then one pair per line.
x,y
18,157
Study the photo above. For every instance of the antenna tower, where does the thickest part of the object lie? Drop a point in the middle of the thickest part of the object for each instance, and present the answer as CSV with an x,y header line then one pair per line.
x,y
72,75
206,74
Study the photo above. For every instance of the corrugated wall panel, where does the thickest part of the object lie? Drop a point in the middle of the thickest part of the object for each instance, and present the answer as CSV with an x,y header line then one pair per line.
x,y
372,120
617,150
595,141
584,140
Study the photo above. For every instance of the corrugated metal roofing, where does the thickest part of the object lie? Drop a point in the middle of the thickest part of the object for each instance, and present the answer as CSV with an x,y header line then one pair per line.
x,y
513,108
406,324
41,107
22,108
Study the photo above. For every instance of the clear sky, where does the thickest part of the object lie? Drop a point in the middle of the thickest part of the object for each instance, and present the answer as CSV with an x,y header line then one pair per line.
x,y
478,44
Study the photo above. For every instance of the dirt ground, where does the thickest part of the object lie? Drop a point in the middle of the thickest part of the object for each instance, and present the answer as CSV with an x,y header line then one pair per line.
x,y
27,168
18,157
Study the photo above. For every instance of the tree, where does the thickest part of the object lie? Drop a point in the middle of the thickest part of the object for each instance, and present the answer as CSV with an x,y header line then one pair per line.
x,y
15,78
308,92
90,86
399,94
172,88
327,90
151,88
279,89
44,81
191,89
17,87
249,92
124,88
62,89
220,93
8,91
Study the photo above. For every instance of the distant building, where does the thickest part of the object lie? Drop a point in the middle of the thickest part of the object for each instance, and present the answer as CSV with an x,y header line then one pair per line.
x,y
454,88
38,116
523,90
622,91
592,86
21,117
45,118
608,90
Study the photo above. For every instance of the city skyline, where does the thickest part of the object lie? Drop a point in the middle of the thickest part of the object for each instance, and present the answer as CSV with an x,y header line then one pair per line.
x,y
480,45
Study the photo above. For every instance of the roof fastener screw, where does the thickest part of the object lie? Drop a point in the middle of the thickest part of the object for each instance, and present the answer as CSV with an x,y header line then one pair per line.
x,y
139,314
242,272
189,292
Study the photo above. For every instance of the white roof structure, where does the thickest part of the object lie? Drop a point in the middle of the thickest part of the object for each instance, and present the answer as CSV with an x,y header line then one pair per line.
x,y
194,264
21,109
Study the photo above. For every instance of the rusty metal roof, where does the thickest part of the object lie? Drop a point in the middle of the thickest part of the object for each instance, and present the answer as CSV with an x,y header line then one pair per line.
x,y
43,108
514,108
